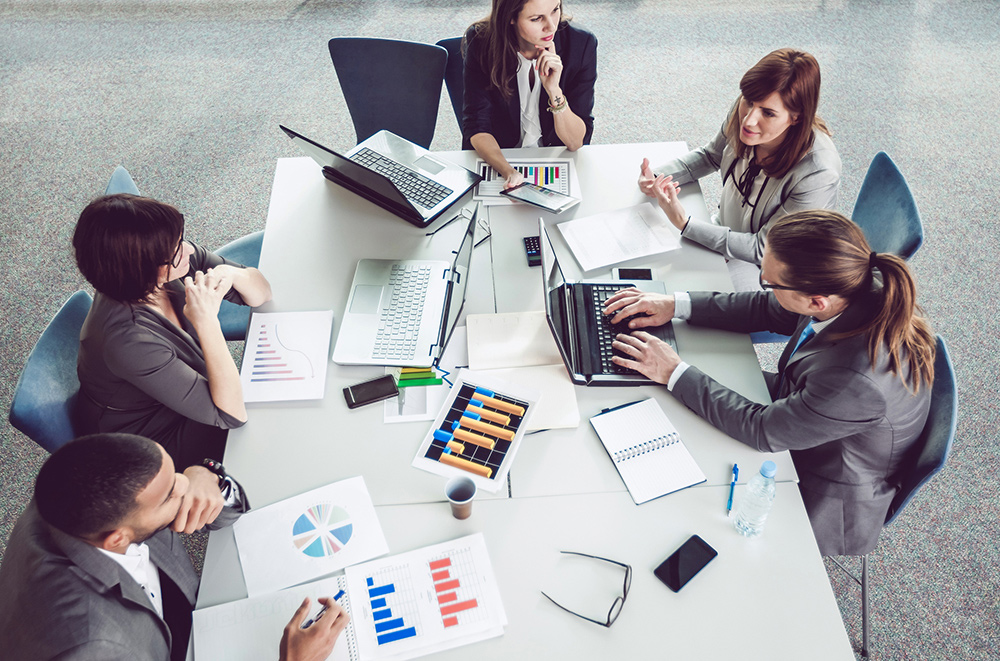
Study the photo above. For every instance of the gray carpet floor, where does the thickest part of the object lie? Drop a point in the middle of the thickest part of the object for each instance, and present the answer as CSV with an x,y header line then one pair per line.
x,y
188,96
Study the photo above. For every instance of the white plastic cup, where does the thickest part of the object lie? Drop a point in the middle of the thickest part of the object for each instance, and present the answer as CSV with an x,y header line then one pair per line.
x,y
460,492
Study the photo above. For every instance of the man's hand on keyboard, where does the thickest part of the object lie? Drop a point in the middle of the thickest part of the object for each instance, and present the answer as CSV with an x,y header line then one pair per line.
x,y
646,354
648,309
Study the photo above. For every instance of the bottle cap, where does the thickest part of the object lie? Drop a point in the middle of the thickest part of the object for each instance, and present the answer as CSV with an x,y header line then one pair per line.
x,y
768,469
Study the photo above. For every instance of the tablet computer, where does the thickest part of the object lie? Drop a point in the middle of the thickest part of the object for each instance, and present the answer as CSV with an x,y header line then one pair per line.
x,y
547,199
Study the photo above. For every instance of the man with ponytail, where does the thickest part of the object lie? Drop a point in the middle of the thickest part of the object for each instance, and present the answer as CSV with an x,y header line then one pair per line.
x,y
852,390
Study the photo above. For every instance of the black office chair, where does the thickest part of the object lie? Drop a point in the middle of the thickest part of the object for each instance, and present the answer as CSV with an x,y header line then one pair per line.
x,y
390,84
934,445
454,75
45,396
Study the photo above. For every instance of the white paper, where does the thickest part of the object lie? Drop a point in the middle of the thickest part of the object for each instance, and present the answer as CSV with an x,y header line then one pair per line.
x,y
491,463
308,536
511,339
285,356
488,190
250,629
415,404
557,407
429,600
617,236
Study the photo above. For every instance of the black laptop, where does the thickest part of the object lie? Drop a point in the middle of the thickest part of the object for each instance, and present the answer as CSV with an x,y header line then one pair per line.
x,y
394,173
582,332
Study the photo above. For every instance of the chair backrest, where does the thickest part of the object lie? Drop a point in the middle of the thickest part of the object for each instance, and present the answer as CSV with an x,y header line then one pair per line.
x,y
390,84
45,396
454,75
935,440
245,250
886,210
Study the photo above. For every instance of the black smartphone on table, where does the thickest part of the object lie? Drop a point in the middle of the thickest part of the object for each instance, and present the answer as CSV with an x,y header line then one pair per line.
x,y
369,392
685,562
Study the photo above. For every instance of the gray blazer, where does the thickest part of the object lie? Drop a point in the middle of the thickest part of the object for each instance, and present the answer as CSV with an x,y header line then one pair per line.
x,y
812,183
63,599
143,375
848,424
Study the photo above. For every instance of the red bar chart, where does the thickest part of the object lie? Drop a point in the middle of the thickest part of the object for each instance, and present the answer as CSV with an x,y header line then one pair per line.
x,y
455,602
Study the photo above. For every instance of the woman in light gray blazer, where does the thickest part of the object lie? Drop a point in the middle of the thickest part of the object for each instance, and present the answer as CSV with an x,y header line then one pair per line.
x,y
852,390
774,153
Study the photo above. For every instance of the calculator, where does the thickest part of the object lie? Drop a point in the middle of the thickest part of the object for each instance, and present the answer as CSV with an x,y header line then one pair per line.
x,y
533,250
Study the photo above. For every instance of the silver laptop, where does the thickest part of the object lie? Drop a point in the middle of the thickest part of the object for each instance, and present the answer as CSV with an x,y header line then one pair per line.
x,y
403,312
582,332
394,173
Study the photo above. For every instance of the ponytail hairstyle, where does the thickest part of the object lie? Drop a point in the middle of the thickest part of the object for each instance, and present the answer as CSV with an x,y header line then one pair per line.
x,y
824,253
501,45
794,75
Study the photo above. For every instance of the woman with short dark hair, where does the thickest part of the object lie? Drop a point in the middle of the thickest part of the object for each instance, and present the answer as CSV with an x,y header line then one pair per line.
x,y
774,153
853,386
153,360
529,82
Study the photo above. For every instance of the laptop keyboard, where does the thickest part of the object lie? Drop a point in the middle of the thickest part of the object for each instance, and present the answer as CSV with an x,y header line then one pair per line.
x,y
416,187
399,323
606,331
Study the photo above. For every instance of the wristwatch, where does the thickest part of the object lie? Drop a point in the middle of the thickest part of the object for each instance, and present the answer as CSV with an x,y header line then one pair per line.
x,y
231,490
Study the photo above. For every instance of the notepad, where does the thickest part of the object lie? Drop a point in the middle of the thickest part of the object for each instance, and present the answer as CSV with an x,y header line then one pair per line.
x,y
647,450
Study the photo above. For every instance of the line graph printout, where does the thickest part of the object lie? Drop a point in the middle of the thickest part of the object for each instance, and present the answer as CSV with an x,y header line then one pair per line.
x,y
285,356
308,536
425,601
554,174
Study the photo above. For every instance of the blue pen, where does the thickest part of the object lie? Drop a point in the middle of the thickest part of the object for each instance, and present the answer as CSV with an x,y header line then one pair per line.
x,y
732,487
313,620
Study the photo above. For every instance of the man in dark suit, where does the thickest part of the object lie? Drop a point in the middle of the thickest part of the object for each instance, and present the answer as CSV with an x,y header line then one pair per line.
x,y
93,569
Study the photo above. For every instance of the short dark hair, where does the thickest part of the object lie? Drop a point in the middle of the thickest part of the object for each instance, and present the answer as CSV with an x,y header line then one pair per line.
x,y
122,240
88,486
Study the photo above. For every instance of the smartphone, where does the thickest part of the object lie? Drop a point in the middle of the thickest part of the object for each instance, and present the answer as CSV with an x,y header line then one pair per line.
x,y
632,274
685,562
549,200
368,392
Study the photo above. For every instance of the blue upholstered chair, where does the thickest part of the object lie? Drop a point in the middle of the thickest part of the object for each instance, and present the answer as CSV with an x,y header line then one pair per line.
x,y
45,396
886,211
454,75
390,84
930,453
235,319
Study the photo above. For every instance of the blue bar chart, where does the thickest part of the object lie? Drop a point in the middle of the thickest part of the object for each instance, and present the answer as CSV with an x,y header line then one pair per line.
x,y
394,612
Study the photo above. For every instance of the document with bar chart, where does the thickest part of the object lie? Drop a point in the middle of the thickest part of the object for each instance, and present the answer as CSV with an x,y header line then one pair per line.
x,y
554,174
425,601
308,536
285,356
478,430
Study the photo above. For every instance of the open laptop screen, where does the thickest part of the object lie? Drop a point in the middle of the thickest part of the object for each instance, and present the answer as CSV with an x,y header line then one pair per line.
x,y
554,293
455,298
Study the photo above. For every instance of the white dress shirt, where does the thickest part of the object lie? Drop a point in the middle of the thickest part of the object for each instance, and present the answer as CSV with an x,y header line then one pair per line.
x,y
136,562
531,125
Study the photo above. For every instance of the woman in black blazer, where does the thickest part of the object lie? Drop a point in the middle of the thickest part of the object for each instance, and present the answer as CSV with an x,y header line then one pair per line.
x,y
529,82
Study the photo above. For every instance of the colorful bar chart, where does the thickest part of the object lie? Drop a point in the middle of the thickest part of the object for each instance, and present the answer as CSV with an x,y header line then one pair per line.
x,y
393,620
448,587
477,431
272,361
553,175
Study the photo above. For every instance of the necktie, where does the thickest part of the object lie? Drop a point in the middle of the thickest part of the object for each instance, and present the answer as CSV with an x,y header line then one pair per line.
x,y
807,333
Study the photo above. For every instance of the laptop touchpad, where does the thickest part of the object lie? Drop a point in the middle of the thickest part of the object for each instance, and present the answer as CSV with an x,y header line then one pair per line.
x,y
428,164
366,299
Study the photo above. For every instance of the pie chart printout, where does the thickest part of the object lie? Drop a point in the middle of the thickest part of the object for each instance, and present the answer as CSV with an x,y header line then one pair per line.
x,y
322,530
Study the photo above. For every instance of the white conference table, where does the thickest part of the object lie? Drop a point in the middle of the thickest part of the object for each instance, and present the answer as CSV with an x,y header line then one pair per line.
x,y
316,231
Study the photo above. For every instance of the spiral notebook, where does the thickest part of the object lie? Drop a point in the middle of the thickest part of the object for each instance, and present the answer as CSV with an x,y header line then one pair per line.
x,y
646,450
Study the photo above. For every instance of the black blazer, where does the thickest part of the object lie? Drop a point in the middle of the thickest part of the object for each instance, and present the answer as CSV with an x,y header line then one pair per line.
x,y
486,111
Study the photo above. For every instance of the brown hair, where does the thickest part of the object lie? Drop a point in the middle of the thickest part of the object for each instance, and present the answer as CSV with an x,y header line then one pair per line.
x,y
794,75
826,254
501,45
121,242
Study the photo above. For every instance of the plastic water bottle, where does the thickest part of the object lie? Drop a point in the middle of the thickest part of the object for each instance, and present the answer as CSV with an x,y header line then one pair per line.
x,y
754,506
